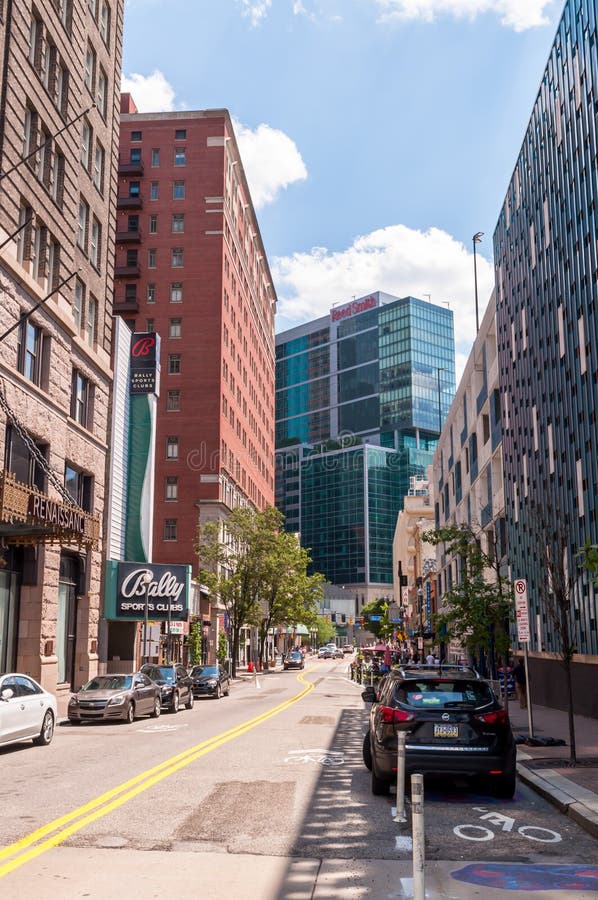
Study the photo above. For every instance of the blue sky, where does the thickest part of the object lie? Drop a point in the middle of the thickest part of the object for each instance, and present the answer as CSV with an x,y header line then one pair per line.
x,y
377,135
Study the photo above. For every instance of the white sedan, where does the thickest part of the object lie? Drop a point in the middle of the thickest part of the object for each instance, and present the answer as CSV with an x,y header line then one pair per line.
x,y
27,711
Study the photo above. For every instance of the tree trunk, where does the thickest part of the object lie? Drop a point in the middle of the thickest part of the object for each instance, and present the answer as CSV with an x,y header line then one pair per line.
x,y
235,649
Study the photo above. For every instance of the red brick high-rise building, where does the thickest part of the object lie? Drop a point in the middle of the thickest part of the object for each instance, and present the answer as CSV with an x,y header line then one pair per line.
x,y
191,265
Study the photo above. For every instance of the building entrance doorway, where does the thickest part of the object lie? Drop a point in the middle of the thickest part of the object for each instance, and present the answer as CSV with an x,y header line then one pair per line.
x,y
10,584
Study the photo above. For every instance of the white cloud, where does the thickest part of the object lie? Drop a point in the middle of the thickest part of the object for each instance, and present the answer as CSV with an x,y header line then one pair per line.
x,y
395,259
256,10
151,93
271,161
516,14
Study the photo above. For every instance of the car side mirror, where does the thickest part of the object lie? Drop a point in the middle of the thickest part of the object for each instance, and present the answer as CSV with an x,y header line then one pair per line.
x,y
369,695
7,693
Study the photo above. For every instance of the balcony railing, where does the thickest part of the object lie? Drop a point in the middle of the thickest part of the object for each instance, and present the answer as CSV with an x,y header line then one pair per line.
x,y
126,305
129,202
130,168
127,271
129,236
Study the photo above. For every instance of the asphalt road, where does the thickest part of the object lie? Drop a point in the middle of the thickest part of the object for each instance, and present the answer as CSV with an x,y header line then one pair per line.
x,y
261,795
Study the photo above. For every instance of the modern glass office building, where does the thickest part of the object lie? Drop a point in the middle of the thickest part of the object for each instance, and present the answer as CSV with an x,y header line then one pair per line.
x,y
361,395
546,259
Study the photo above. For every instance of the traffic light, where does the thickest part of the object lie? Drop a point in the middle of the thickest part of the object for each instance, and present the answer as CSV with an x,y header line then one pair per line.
x,y
328,620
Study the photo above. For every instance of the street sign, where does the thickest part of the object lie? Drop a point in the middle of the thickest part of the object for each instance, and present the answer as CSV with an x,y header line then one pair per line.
x,y
177,627
405,596
521,611
375,618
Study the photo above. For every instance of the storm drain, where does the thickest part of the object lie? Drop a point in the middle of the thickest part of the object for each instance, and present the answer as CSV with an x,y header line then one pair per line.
x,y
218,816
317,720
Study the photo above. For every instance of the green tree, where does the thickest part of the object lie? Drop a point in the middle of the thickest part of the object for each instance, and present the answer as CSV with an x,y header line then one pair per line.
x,y
195,642
382,629
222,647
477,609
326,631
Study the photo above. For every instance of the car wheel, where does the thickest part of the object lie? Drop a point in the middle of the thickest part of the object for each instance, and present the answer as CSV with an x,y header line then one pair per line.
x,y
218,692
47,730
157,708
503,787
130,713
380,786
174,706
190,701
367,751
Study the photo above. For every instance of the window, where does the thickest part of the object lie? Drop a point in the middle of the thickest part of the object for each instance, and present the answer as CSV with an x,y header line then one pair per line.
x,y
79,485
86,144
90,69
30,351
36,45
42,169
29,133
154,190
171,491
176,292
170,530
98,167
57,179
178,222
134,188
150,324
178,190
175,328
180,134
132,259
180,156
133,222
155,158
151,293
61,89
78,303
105,23
172,447
53,271
93,8
20,461
131,293
65,11
151,259
95,249
173,401
102,92
153,224
135,154
82,224
92,321
176,260
174,363
80,398
135,135
25,232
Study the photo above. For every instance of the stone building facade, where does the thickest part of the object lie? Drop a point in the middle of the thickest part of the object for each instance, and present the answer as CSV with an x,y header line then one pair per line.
x,y
59,106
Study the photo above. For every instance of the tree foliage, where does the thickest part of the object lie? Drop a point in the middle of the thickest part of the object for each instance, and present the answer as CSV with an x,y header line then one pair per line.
x,y
259,573
383,628
477,609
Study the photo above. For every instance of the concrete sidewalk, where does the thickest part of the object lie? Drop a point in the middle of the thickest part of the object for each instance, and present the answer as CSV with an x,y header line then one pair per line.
x,y
574,790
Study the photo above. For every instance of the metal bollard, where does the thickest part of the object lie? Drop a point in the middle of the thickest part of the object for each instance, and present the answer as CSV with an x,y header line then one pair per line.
x,y
400,814
417,830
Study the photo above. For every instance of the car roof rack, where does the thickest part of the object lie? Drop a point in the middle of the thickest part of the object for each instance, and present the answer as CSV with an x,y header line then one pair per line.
x,y
414,669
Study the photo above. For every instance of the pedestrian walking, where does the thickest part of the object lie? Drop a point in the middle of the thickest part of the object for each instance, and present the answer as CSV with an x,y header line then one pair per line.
x,y
430,659
520,686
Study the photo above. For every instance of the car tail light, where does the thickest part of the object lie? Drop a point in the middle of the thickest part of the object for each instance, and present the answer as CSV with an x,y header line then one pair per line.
x,y
498,717
389,715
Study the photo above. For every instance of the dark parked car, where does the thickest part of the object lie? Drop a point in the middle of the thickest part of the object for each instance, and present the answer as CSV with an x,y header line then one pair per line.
x,y
210,681
454,722
293,660
175,683
115,697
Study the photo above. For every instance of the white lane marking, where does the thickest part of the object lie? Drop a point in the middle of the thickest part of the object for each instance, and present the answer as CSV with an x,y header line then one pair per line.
x,y
554,839
317,755
154,728
486,836
494,818
403,842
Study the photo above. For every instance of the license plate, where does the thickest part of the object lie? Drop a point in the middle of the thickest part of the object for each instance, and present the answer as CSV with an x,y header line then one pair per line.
x,y
446,731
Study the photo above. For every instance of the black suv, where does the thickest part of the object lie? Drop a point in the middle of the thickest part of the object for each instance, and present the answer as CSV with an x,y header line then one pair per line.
x,y
454,722
175,682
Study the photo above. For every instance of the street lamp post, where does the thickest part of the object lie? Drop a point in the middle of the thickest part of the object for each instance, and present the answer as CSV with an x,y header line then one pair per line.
x,y
477,238
146,579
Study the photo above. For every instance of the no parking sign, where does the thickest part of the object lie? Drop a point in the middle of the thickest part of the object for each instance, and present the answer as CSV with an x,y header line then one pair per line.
x,y
521,611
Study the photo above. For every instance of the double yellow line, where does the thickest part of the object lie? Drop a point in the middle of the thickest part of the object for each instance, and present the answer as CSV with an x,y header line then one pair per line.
x,y
54,833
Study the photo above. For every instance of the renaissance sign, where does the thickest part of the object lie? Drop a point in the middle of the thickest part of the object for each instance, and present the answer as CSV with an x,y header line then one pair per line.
x,y
166,595
50,512
352,309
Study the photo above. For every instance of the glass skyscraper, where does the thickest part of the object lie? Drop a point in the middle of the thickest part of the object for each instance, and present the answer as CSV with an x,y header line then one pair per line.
x,y
360,398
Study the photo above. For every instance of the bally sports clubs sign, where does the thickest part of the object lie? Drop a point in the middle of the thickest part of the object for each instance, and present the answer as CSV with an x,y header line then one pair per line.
x,y
167,590
337,313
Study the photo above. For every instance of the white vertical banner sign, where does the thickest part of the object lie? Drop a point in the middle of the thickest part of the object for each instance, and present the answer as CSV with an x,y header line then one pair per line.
x,y
521,611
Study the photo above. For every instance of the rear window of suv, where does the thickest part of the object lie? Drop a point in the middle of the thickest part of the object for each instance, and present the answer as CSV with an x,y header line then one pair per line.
x,y
443,694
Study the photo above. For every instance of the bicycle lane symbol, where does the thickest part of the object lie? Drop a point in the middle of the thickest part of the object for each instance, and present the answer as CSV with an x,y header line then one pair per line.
x,y
471,832
318,756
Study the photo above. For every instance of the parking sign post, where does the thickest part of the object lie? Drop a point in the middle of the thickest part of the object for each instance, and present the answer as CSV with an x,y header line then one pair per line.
x,y
523,636
400,815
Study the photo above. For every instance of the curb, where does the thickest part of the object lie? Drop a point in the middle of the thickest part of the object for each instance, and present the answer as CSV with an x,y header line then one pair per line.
x,y
575,801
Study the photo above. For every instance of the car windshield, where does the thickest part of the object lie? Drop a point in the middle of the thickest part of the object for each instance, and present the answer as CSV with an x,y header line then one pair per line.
x,y
108,683
441,694
295,655
167,674
204,670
